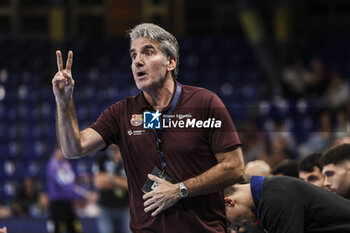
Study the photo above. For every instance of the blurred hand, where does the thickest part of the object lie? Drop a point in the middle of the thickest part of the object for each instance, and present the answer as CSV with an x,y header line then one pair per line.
x,y
91,197
229,230
62,82
3,230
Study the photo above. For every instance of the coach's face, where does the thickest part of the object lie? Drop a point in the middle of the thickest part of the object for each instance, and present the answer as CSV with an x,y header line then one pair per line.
x,y
336,177
150,66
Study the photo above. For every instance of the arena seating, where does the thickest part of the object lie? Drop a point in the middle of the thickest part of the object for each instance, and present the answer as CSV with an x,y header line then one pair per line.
x,y
101,68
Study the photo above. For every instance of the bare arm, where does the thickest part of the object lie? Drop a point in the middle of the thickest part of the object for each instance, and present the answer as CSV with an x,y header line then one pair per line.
x,y
74,143
229,170
102,181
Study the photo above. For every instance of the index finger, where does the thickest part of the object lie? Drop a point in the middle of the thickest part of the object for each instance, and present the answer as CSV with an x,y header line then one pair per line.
x,y
69,61
155,178
59,60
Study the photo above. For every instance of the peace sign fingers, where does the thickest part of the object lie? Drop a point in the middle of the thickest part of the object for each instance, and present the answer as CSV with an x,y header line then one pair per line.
x,y
60,61
69,61
62,82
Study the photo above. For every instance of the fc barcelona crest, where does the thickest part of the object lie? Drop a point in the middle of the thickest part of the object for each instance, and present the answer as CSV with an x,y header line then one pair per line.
x,y
136,119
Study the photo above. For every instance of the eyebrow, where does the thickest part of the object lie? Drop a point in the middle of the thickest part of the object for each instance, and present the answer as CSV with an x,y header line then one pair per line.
x,y
328,173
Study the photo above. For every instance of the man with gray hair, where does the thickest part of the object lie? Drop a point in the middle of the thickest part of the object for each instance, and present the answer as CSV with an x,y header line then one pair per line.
x,y
179,145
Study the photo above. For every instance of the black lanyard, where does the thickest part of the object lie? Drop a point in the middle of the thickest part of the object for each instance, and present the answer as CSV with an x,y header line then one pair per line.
x,y
161,131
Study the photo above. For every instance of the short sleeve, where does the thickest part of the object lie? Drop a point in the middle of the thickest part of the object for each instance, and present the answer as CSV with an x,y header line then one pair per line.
x,y
225,137
107,125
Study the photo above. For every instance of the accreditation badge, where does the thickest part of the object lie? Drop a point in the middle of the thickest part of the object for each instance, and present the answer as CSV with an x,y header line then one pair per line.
x,y
150,184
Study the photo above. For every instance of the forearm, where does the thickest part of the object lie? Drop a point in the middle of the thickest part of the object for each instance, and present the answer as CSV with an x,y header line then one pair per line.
x,y
120,182
105,181
68,131
227,172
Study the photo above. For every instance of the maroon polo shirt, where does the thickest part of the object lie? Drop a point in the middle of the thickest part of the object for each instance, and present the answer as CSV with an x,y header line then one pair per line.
x,y
188,153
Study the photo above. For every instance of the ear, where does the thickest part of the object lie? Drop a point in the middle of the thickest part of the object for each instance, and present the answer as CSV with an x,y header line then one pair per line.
x,y
171,63
229,202
348,166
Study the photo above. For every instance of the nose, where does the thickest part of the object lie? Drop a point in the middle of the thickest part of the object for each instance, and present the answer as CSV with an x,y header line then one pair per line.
x,y
138,61
327,182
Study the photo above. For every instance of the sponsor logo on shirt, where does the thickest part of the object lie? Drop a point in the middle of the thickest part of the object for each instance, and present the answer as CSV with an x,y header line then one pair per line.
x,y
154,120
136,119
135,132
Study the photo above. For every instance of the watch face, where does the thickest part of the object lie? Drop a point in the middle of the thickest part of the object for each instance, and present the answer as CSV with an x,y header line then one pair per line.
x,y
183,192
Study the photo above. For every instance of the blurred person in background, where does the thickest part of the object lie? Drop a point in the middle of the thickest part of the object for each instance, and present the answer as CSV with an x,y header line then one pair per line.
x,y
310,170
25,197
253,139
110,180
337,93
63,191
286,167
41,208
336,169
317,79
294,79
321,138
341,131
280,143
277,150
257,168
283,204
343,140
5,211
197,164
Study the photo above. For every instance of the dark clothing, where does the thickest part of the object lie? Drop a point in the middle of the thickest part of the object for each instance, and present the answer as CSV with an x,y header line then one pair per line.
x,y
112,198
290,205
64,218
25,201
188,153
114,214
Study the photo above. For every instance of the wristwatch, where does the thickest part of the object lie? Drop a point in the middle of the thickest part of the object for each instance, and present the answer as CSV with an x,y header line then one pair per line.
x,y
183,190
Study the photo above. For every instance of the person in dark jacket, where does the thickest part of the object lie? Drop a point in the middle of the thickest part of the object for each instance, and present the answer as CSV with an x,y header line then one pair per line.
x,y
286,205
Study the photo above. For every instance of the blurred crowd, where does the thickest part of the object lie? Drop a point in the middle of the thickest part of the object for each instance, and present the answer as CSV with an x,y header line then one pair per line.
x,y
275,150
70,196
327,94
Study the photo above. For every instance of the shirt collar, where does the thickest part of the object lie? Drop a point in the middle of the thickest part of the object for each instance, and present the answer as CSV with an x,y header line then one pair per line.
x,y
256,186
148,107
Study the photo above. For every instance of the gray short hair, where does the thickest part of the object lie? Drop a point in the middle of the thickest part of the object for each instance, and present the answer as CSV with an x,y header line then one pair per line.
x,y
168,43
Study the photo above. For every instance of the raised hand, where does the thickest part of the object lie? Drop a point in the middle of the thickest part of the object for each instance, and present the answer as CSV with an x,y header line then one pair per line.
x,y
62,82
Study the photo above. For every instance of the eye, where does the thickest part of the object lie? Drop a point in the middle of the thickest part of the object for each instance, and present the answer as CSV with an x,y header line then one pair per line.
x,y
329,173
312,178
149,52
133,56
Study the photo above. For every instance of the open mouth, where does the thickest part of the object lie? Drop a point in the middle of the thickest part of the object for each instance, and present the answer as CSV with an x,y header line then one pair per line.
x,y
140,74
